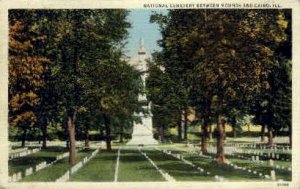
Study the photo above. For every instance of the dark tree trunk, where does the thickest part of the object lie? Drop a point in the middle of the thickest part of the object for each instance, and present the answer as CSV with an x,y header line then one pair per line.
x,y
262,133
45,133
234,127
185,125
107,130
86,138
72,140
121,133
234,131
210,132
270,135
220,157
204,133
224,128
161,133
101,133
179,129
24,137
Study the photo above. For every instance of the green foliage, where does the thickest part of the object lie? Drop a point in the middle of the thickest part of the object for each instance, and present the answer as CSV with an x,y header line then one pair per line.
x,y
224,57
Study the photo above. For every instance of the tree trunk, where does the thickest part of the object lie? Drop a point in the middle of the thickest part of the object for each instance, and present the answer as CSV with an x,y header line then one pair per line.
x,y
224,128
210,132
220,157
44,132
234,127
234,131
179,129
185,124
204,132
101,133
262,133
107,130
24,137
72,140
86,138
161,133
121,133
270,133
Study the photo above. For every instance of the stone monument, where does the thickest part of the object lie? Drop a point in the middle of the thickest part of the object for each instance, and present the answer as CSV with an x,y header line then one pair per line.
x,y
142,131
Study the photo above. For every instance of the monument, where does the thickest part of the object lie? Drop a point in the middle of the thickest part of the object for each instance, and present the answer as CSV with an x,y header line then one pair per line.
x,y
142,131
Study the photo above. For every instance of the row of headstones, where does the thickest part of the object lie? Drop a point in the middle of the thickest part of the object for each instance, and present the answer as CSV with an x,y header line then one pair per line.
x,y
23,153
275,147
75,168
166,175
18,176
61,156
12,151
253,158
272,175
271,163
66,154
256,158
272,155
180,157
269,155
233,150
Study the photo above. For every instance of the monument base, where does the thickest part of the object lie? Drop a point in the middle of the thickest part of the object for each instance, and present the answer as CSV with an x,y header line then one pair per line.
x,y
142,140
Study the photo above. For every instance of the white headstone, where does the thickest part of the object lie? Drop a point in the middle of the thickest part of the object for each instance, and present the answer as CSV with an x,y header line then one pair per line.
x,y
271,162
257,158
273,175
19,176
14,177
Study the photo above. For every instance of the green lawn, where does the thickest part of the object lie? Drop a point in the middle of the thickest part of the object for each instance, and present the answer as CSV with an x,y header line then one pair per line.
x,y
135,167
100,168
228,172
22,163
263,168
53,172
176,168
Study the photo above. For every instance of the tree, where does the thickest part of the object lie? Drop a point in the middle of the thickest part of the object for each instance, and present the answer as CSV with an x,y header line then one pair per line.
x,y
26,69
223,52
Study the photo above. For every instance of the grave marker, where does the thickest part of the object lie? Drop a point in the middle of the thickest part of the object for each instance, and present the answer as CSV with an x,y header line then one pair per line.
x,y
273,175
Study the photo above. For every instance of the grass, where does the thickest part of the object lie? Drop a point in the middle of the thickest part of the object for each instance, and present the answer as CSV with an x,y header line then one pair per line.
x,y
262,168
176,168
50,174
100,168
22,163
135,167
228,172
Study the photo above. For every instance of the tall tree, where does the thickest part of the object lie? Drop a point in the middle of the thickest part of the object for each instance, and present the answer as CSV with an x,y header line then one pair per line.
x,y
224,52
26,69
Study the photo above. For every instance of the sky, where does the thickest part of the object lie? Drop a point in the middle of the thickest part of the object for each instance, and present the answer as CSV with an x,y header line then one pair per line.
x,y
142,28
